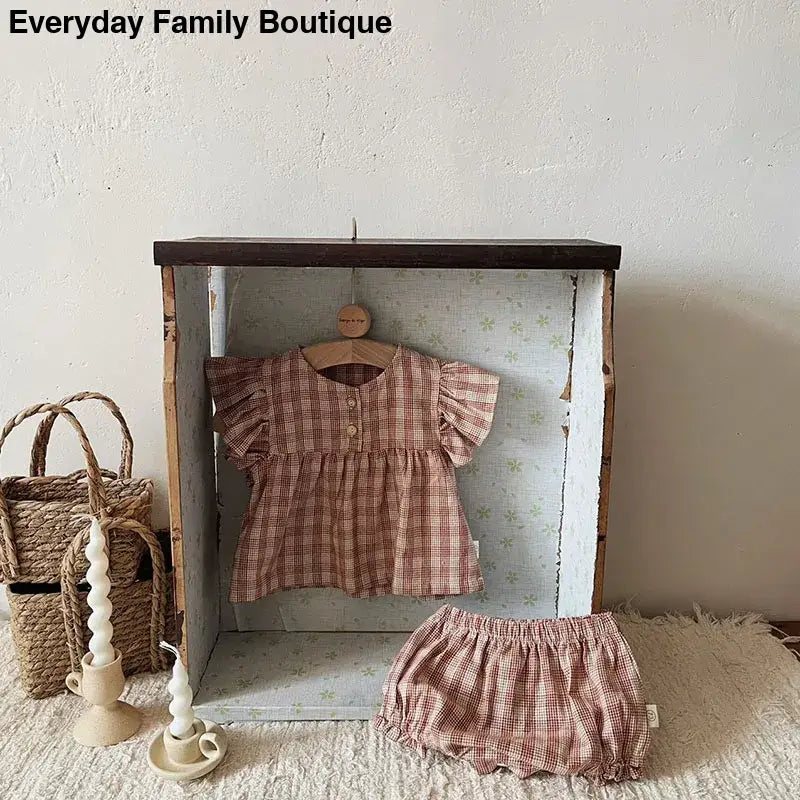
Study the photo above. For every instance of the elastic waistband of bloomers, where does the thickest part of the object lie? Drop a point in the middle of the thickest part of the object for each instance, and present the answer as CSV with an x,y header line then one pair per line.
x,y
551,631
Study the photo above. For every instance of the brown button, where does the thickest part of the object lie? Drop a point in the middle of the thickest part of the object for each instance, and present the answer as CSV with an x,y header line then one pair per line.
x,y
351,402
352,430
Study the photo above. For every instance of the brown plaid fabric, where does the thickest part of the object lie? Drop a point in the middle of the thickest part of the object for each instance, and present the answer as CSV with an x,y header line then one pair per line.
x,y
560,695
352,472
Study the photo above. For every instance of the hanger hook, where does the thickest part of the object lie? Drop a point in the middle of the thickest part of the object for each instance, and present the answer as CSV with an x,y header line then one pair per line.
x,y
353,269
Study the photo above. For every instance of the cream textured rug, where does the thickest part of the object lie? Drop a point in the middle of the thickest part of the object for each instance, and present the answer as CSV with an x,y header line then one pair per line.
x,y
728,695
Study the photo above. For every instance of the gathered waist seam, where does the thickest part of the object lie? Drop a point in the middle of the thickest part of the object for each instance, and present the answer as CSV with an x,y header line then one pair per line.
x,y
346,453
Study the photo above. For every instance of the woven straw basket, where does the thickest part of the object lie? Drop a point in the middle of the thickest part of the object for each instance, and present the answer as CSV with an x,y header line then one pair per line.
x,y
49,628
40,515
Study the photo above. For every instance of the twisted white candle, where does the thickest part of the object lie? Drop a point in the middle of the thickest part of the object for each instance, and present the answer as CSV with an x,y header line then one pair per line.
x,y
183,718
100,619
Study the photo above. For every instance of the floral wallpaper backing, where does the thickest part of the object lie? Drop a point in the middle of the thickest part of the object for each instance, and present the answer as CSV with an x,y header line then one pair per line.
x,y
271,675
516,324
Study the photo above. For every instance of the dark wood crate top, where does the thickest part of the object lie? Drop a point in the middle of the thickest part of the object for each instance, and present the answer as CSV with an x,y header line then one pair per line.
x,y
513,254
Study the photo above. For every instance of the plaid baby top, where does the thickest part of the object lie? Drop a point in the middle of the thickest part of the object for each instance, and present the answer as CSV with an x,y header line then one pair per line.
x,y
351,472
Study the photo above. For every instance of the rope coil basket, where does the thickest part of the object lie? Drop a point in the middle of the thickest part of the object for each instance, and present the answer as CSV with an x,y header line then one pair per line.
x,y
50,628
40,515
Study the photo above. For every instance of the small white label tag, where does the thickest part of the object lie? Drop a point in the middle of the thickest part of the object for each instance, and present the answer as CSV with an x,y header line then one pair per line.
x,y
652,716
477,548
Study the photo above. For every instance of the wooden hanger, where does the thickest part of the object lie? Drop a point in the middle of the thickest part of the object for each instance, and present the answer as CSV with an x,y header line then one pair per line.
x,y
354,322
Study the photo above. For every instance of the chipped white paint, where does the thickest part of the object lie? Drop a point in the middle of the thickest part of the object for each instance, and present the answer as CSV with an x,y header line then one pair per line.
x,y
195,470
578,547
671,128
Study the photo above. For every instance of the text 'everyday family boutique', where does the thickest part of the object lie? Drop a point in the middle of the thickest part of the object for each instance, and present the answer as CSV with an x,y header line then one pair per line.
x,y
163,21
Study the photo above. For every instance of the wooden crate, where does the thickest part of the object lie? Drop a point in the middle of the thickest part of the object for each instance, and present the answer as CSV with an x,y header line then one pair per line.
x,y
538,313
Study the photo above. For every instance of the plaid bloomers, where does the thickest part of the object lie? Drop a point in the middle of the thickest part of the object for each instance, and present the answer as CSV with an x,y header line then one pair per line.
x,y
352,472
559,695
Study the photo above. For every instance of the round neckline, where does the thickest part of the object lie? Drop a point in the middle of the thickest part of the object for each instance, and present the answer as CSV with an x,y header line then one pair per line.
x,y
376,381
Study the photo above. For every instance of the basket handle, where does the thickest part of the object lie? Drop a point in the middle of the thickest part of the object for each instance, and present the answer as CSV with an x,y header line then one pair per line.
x,y
42,438
70,601
97,493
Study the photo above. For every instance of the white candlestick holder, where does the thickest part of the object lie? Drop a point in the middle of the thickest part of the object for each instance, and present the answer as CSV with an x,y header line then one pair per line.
x,y
186,759
188,747
108,720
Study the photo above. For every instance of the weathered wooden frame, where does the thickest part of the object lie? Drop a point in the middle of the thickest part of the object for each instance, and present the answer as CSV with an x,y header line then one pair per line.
x,y
195,640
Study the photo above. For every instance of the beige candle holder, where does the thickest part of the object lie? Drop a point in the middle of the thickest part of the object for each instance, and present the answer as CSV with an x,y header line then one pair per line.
x,y
108,720
186,759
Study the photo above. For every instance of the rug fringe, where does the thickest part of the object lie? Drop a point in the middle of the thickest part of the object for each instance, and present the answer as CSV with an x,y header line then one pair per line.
x,y
705,619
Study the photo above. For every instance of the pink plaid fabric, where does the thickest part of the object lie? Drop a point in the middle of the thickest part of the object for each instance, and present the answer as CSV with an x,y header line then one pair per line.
x,y
351,472
559,695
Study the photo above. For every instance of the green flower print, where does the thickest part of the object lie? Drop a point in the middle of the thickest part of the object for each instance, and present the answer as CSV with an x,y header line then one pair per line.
x,y
520,276
484,512
542,321
487,324
556,341
514,465
512,357
536,418
512,577
518,394
529,599
507,541
327,694
510,515
471,469
368,671
297,708
536,510
476,276
516,327
421,320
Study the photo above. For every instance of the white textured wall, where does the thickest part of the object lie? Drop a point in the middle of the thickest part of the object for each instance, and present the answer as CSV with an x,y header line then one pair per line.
x,y
670,127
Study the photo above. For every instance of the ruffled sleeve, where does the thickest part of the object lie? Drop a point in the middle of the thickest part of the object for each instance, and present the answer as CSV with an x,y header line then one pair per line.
x,y
239,391
467,397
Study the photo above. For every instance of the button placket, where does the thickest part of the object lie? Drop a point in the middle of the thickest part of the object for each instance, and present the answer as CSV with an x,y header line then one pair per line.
x,y
353,430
